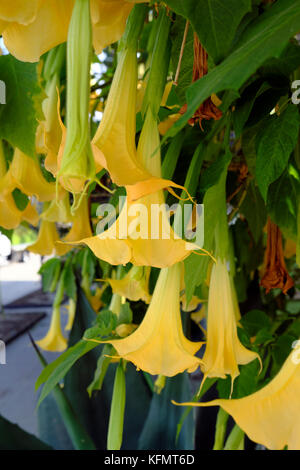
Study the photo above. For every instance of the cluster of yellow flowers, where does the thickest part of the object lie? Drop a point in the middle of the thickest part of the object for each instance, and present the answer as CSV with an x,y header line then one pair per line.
x,y
158,345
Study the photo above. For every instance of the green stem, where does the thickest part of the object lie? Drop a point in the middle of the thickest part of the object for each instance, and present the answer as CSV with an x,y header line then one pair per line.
x,y
221,426
235,440
117,410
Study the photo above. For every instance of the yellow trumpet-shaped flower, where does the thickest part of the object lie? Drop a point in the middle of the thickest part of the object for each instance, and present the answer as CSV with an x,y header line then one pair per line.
x,y
25,173
115,136
54,339
58,211
49,132
224,350
142,233
32,27
77,163
134,285
158,345
11,216
269,416
81,227
45,243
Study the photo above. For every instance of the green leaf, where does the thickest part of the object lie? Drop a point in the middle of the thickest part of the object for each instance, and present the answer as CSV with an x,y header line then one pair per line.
x,y
284,65
69,281
21,200
254,321
19,116
293,306
254,209
282,348
50,271
160,428
125,315
245,104
106,322
212,174
282,203
15,438
263,337
215,21
274,146
101,369
264,38
55,372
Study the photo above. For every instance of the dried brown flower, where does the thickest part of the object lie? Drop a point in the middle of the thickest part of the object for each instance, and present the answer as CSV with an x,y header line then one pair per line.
x,y
207,110
276,275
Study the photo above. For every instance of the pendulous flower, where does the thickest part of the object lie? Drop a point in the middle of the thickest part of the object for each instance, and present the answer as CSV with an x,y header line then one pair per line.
x,y
25,174
158,345
32,27
269,416
134,285
224,351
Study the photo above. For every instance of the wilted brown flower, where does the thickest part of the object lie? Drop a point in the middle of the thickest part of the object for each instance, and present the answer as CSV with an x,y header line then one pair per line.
x,y
207,110
276,275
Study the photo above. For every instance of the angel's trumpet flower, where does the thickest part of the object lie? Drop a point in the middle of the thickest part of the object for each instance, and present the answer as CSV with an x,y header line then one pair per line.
x,y
54,339
134,285
224,350
32,27
11,216
81,227
77,164
46,241
49,133
115,136
146,239
158,345
25,173
58,211
269,416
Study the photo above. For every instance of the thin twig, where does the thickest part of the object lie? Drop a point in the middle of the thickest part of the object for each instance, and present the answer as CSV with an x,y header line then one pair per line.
x,y
181,52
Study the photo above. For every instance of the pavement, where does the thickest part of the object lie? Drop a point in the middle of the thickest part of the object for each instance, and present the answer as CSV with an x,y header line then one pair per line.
x,y
17,377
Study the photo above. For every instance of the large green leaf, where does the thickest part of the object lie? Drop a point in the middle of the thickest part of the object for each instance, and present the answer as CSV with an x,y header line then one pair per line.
x,y
264,38
12,437
275,143
254,210
19,116
215,21
160,428
282,203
